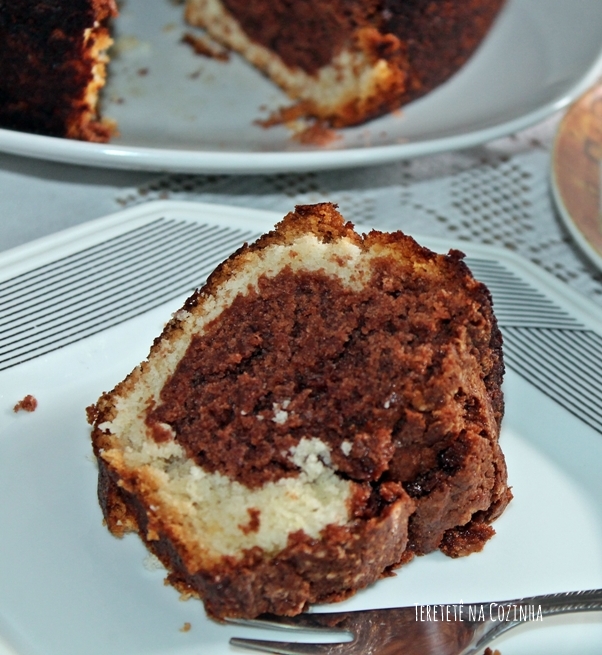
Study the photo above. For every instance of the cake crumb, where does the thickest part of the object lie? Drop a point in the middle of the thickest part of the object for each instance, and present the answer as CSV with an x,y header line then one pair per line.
x,y
307,132
27,404
186,627
488,651
205,48
316,134
284,115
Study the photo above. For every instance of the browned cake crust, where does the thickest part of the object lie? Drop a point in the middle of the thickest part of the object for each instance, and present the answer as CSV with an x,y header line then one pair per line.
x,y
306,571
382,357
52,65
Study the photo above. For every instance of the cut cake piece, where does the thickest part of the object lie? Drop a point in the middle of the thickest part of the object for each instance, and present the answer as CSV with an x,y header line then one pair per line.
x,y
53,67
325,407
347,61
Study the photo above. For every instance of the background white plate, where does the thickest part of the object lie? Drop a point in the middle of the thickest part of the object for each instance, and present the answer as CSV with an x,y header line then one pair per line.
x,y
191,114
70,588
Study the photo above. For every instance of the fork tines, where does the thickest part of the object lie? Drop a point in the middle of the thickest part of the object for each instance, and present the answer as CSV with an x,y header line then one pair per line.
x,y
322,623
288,648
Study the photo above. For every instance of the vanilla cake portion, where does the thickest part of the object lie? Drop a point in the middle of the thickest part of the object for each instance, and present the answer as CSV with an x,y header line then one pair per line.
x,y
53,65
347,61
325,407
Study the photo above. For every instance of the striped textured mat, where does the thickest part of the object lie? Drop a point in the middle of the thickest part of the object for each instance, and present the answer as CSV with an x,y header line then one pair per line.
x,y
545,344
88,291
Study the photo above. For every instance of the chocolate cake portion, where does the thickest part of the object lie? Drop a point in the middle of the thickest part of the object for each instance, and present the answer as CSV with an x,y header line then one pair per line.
x,y
53,66
439,37
347,61
304,35
327,406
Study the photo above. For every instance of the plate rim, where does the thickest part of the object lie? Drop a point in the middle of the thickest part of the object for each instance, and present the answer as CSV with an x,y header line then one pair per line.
x,y
145,158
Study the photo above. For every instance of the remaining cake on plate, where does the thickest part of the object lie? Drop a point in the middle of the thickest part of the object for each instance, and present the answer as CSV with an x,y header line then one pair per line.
x,y
347,61
327,406
52,66
341,61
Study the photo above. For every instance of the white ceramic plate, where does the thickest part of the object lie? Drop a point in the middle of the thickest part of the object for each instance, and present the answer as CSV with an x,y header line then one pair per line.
x,y
70,588
191,114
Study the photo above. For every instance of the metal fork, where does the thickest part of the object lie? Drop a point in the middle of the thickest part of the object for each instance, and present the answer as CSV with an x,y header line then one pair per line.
x,y
418,630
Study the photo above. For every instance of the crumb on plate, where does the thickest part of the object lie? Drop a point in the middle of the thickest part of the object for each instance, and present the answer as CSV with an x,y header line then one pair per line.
x,y
27,404
205,48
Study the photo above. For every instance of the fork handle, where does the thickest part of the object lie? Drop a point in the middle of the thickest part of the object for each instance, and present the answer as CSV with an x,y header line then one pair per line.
x,y
572,601
533,607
